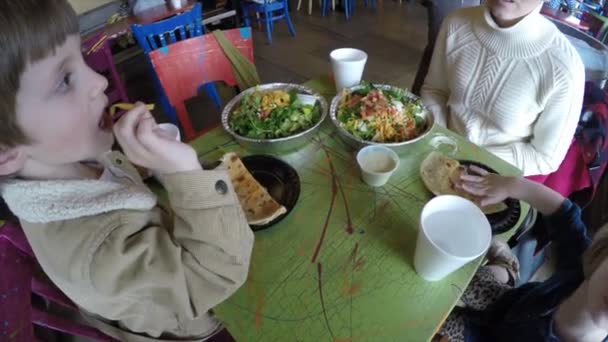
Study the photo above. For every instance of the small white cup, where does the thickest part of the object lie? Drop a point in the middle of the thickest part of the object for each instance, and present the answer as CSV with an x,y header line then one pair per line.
x,y
453,231
377,164
171,130
176,4
347,65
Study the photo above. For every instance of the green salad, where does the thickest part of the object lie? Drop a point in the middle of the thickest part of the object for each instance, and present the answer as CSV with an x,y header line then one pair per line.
x,y
273,114
381,115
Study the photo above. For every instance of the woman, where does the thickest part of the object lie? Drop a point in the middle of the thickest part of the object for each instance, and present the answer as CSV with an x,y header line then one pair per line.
x,y
505,78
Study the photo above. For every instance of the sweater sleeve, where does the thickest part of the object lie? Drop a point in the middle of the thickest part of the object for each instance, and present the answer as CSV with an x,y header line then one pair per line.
x,y
554,129
435,91
185,268
567,230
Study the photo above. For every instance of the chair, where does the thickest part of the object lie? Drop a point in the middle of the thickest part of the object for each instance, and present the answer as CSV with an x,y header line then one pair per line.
x,y
18,281
153,36
348,6
183,66
97,55
333,5
271,10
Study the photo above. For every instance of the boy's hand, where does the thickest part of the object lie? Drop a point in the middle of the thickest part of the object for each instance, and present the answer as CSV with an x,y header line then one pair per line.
x,y
489,187
146,145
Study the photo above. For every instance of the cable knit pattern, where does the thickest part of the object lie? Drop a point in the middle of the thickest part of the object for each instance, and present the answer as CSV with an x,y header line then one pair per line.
x,y
516,91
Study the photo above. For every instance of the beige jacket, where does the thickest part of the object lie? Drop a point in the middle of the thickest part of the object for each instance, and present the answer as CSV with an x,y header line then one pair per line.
x,y
144,274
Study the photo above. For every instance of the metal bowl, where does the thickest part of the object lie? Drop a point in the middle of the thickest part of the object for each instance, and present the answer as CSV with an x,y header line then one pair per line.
x,y
281,144
357,143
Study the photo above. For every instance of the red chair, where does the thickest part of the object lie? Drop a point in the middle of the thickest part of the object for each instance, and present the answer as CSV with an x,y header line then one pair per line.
x,y
182,67
18,280
98,56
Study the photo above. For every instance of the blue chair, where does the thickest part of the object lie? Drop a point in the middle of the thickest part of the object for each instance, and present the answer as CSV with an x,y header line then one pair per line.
x,y
348,7
180,27
271,10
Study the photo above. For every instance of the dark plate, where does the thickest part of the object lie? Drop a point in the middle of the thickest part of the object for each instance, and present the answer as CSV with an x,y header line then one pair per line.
x,y
279,178
504,220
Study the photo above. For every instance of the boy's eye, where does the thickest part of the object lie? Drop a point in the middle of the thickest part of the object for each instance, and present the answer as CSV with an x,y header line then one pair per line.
x,y
64,85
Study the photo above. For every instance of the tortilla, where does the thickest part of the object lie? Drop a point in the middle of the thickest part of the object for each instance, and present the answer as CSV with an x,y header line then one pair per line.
x,y
439,172
260,208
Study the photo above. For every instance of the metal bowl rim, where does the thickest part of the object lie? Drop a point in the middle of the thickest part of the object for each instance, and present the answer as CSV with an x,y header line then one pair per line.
x,y
334,110
272,86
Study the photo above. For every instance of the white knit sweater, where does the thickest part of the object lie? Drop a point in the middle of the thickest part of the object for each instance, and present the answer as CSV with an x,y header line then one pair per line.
x,y
516,91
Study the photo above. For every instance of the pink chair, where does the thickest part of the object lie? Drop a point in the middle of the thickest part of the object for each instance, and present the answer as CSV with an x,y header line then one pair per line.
x,y
18,280
572,175
98,56
587,158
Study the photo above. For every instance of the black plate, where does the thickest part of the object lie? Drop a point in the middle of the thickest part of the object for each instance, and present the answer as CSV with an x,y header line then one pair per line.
x,y
279,178
504,220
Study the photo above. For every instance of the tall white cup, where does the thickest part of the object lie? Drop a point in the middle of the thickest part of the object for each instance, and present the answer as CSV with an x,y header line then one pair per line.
x,y
453,231
347,65
170,131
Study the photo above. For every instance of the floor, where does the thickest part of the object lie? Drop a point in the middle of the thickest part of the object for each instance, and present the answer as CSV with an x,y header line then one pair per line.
x,y
393,36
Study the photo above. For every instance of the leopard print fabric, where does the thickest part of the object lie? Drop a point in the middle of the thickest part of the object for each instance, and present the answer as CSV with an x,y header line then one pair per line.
x,y
483,290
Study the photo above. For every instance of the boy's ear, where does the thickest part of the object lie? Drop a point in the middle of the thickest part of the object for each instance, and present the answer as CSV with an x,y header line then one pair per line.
x,y
12,160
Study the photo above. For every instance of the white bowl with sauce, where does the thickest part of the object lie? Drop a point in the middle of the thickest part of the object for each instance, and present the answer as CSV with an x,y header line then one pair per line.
x,y
377,164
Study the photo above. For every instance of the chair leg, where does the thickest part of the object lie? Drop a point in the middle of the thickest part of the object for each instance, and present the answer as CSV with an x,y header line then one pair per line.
x,y
346,4
299,4
310,7
164,101
289,24
333,5
268,26
246,17
213,94
323,7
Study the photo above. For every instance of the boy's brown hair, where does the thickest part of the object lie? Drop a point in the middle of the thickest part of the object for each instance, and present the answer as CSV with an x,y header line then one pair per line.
x,y
30,30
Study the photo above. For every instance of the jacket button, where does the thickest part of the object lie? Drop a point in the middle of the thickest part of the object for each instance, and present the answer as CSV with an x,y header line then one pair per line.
x,y
221,187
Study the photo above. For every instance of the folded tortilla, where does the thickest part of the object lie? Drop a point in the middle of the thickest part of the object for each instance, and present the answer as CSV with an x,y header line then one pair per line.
x,y
439,172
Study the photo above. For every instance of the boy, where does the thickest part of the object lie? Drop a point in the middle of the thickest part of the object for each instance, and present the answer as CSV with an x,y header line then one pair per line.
x,y
137,272
572,305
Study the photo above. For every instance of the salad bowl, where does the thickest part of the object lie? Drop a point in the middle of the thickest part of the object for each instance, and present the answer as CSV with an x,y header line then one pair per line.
x,y
360,128
292,126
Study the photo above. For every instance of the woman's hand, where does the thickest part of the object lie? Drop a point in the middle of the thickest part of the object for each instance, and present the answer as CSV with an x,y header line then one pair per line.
x,y
146,145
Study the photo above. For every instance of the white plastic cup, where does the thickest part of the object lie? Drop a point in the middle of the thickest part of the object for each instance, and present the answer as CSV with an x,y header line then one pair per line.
x,y
170,130
347,65
453,231
377,163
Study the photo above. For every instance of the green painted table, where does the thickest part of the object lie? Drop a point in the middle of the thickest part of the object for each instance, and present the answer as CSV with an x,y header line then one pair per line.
x,y
340,266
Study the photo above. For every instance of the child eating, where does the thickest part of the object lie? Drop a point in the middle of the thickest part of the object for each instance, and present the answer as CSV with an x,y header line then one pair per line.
x,y
138,272
572,305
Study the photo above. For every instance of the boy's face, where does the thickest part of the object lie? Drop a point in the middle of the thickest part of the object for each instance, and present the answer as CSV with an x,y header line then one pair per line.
x,y
60,107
